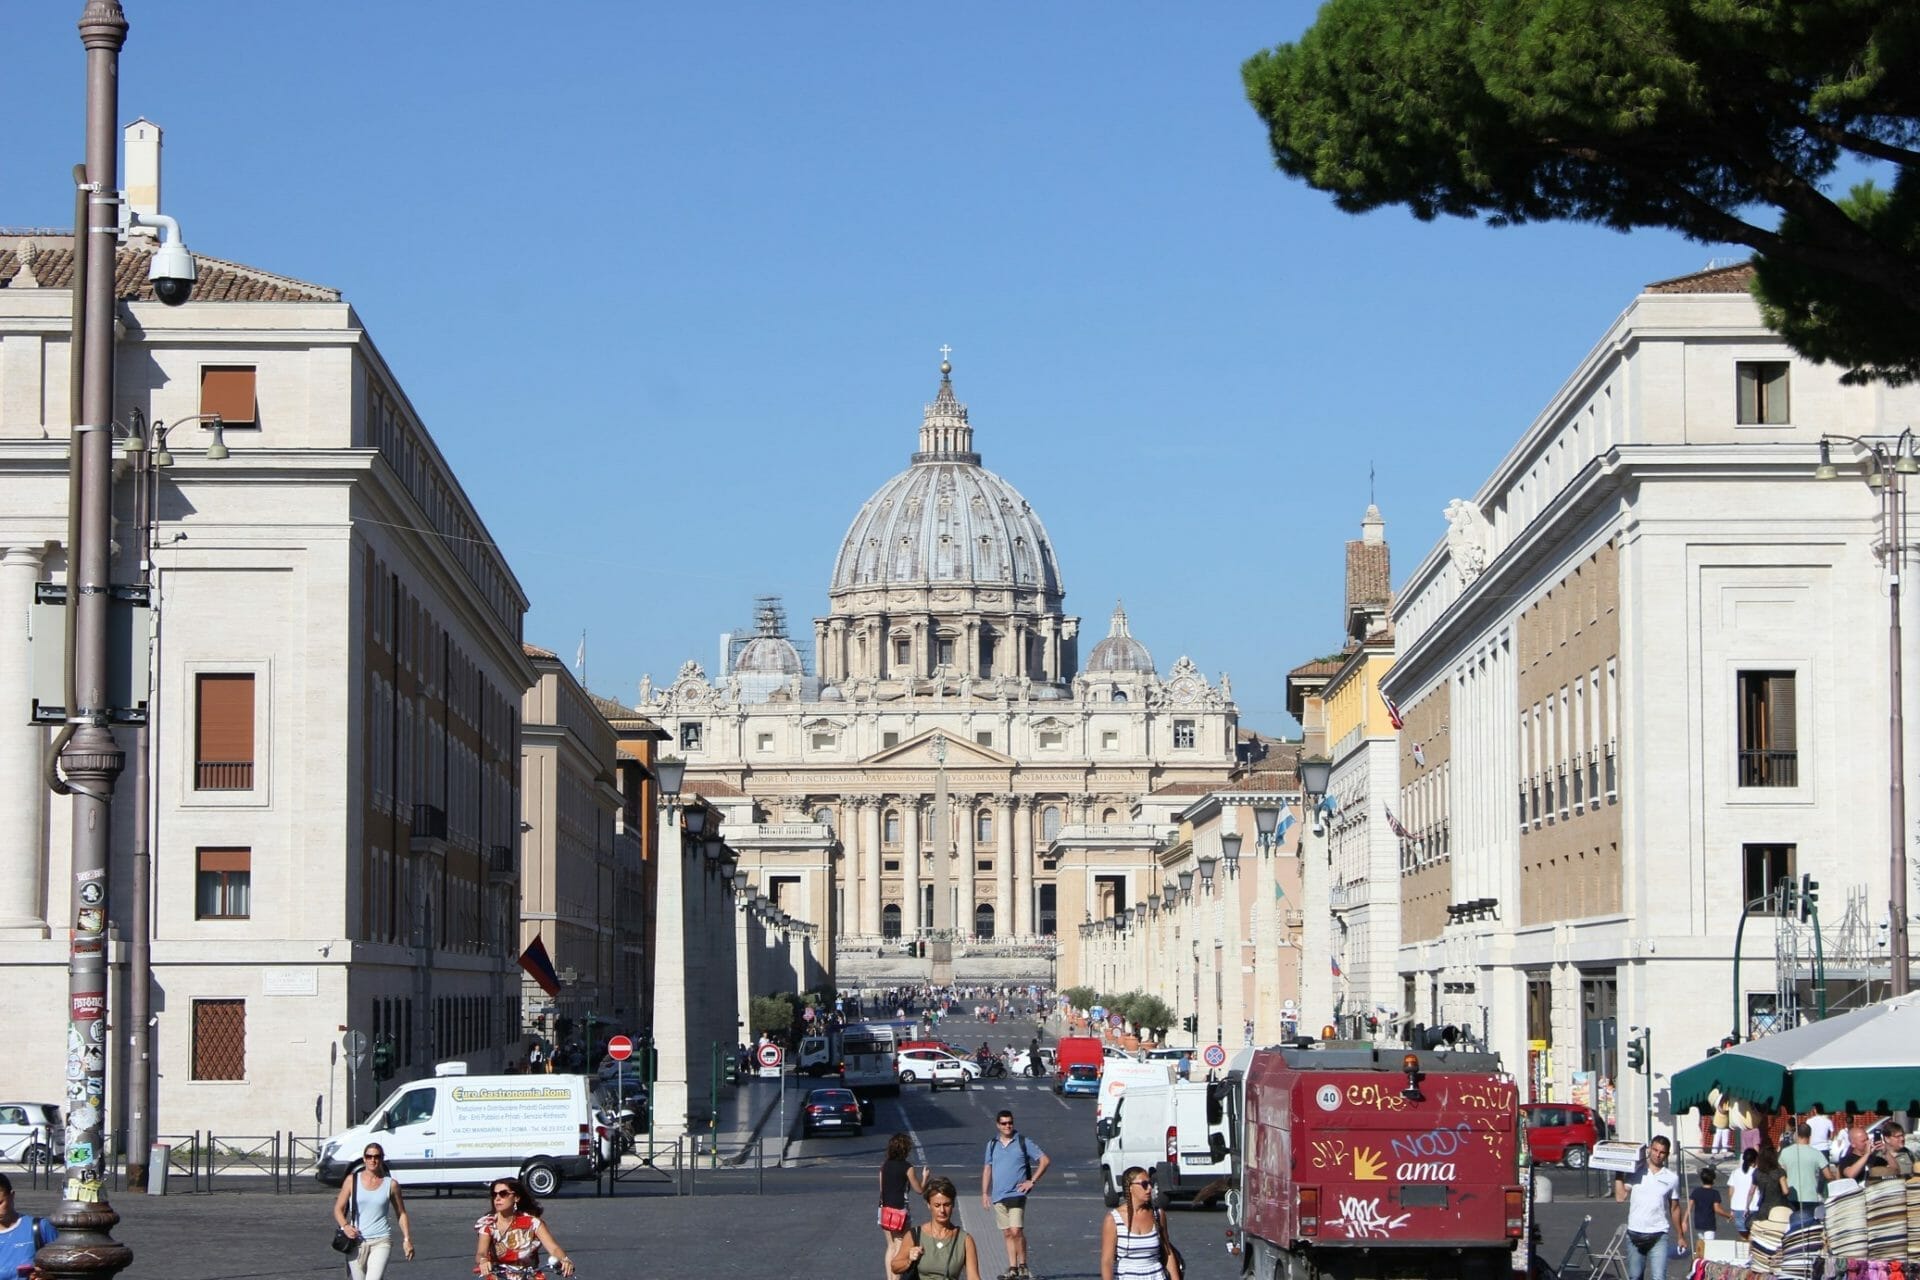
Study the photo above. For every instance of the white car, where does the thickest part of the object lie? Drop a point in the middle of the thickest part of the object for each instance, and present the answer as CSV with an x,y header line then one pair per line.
x,y
918,1064
951,1073
32,1133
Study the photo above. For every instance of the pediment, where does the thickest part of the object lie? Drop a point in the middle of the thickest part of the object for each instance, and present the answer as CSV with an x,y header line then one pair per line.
x,y
824,722
917,753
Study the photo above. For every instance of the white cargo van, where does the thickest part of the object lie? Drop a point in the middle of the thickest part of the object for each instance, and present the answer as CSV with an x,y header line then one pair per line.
x,y
1117,1075
1184,1133
458,1130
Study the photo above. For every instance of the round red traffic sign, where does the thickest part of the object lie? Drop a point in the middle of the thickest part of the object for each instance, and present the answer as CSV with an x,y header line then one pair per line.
x,y
1214,1056
769,1055
619,1048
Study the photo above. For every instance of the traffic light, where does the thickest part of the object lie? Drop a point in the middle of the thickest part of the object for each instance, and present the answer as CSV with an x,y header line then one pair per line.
x,y
1637,1054
1192,1024
382,1057
1809,898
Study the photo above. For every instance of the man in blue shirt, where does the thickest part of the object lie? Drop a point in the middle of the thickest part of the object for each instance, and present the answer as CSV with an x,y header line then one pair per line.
x,y
1013,1164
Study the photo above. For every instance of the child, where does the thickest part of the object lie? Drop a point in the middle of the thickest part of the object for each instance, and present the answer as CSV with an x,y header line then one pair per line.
x,y
1706,1210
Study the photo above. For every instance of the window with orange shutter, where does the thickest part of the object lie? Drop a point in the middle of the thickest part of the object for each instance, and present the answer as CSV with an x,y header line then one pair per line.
x,y
228,391
223,732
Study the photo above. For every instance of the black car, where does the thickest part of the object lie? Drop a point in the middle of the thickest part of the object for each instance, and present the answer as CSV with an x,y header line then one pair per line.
x,y
835,1109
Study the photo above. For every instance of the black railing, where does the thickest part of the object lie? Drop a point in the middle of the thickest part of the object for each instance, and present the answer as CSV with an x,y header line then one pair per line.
x,y
223,775
1769,768
429,822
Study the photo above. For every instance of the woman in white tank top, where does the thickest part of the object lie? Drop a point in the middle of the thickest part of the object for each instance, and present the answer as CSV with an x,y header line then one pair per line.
x,y
1134,1244
368,1205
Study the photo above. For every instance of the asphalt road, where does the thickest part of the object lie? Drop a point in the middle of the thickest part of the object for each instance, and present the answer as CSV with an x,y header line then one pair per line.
x,y
814,1219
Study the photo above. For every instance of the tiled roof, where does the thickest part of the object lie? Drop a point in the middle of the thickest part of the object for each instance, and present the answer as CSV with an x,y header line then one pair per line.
x,y
625,717
711,789
1319,667
1367,575
1737,278
535,651
217,280
1260,780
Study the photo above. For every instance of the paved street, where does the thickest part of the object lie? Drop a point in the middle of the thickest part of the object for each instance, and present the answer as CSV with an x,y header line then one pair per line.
x,y
816,1217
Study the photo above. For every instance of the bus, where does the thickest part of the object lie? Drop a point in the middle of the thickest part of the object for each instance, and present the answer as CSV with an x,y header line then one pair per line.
x,y
869,1053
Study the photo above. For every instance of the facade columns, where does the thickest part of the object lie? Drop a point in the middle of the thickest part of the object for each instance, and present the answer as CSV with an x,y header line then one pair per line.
x,y
23,789
1003,867
870,864
910,922
963,834
1023,871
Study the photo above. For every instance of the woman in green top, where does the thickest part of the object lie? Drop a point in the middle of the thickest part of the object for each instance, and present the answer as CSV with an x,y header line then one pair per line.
x,y
939,1248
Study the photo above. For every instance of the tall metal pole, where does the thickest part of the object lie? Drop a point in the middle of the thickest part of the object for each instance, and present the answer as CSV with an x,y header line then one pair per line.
x,y
1893,501
139,1059
91,760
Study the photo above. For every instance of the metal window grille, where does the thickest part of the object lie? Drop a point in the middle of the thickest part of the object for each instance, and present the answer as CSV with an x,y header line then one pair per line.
x,y
219,1039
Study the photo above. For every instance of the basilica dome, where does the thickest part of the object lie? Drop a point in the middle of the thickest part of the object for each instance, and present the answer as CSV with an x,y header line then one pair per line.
x,y
947,521
1119,652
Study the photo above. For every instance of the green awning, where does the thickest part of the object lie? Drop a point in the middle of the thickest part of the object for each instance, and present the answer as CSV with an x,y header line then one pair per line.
x,y
1868,1059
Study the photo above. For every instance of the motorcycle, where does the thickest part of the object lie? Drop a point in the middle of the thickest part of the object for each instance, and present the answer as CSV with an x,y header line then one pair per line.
x,y
994,1069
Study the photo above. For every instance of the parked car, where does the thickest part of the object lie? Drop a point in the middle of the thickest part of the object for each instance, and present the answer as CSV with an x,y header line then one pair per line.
x,y
1081,1080
835,1109
32,1133
917,1064
950,1073
1562,1132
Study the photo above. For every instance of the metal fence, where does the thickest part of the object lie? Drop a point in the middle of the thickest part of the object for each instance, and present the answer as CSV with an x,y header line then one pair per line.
x,y
691,1165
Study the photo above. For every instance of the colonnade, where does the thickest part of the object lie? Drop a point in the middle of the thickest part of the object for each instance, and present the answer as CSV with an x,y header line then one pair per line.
x,y
1011,847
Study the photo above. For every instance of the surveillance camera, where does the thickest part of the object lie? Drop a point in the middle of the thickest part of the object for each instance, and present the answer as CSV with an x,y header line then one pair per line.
x,y
172,273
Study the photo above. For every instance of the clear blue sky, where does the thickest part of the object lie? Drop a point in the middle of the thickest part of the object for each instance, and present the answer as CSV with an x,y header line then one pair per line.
x,y
668,283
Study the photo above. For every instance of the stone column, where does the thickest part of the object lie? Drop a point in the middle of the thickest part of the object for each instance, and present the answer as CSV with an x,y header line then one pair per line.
x,y
910,921
23,790
1023,870
672,1020
870,874
963,833
1003,866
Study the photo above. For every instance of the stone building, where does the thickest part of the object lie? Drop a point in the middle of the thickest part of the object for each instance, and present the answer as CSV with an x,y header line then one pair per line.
x,y
952,768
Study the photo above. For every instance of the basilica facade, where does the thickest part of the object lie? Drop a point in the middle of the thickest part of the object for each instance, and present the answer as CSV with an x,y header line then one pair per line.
x,y
951,769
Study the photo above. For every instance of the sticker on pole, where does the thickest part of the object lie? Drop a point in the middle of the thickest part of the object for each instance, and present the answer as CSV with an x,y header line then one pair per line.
x,y
1214,1056
620,1048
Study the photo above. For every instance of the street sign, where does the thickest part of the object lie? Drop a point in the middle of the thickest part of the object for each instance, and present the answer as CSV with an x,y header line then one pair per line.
x,y
620,1048
1214,1056
769,1055
354,1045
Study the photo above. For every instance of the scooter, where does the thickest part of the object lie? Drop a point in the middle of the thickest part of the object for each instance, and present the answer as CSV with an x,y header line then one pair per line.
x,y
994,1069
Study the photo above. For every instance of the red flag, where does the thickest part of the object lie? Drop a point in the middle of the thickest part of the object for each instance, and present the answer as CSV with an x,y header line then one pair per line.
x,y
539,966
1393,711
1399,829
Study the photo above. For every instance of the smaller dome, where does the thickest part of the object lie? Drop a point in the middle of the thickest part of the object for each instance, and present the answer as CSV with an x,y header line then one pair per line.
x,y
832,694
771,656
1119,651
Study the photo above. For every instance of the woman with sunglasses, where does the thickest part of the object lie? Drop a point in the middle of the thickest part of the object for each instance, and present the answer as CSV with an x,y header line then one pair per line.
x,y
368,1205
512,1236
1134,1244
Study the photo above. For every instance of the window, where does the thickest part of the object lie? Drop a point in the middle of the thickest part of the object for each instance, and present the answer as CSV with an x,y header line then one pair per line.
x,y
983,920
823,816
890,920
889,739
1762,868
1183,735
223,884
985,864
1050,739
690,736
1768,737
902,650
822,741
1119,695
1763,392
891,827
219,1039
1050,821
415,1105
228,391
983,826
763,742
1109,739
223,733
943,650
984,737
1539,1005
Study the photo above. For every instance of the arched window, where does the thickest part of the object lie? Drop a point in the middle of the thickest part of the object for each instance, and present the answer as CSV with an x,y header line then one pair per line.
x,y
1050,822
824,817
983,920
1110,815
983,826
892,825
890,920
1119,695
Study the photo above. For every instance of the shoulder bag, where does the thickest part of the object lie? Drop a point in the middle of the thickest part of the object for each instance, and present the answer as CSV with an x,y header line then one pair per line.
x,y
342,1242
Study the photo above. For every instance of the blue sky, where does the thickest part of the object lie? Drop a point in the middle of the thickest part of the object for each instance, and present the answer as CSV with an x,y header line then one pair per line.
x,y
668,283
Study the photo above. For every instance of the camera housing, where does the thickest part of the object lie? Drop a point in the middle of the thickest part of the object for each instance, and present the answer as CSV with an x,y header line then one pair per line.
x,y
172,273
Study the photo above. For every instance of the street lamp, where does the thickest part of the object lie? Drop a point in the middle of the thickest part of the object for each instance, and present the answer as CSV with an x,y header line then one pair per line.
x,y
1206,863
669,772
1314,774
1266,821
1230,852
1888,466
1186,885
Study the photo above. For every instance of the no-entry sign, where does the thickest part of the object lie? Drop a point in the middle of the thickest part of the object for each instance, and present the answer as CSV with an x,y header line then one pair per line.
x,y
620,1048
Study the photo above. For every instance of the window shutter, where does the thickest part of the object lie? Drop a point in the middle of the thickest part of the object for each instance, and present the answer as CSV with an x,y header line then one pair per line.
x,y
1780,712
225,732
226,859
228,391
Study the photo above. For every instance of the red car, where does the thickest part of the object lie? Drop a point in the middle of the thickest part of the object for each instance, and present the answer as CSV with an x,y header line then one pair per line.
x,y
1562,1132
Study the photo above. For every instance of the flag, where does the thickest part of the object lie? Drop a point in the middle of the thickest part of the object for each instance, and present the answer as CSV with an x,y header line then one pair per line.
x,y
580,664
1399,828
1286,823
539,966
1336,966
1419,756
1329,806
1393,710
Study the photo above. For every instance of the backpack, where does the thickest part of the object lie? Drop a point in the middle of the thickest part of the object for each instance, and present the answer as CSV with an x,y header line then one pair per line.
x,y
1026,1155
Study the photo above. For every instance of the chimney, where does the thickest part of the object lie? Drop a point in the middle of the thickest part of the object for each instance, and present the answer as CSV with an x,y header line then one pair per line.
x,y
143,170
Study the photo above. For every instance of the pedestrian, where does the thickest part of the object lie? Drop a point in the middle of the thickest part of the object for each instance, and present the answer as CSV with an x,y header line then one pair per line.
x,y
1743,1192
1707,1211
536,1059
1769,1184
513,1234
1884,1155
1012,1166
1033,1057
1723,1127
368,1205
896,1175
939,1250
1820,1125
21,1235
1134,1241
1653,1212
1186,1065
1806,1169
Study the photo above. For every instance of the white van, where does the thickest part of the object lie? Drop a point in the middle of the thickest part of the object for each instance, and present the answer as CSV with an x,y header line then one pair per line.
x,y
455,1130
1117,1075
1184,1133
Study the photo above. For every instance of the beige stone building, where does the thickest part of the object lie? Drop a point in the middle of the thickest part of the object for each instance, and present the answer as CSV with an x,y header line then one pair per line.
x,y
952,769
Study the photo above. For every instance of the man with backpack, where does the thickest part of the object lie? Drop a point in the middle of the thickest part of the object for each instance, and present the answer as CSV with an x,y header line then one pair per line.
x,y
20,1237
1013,1164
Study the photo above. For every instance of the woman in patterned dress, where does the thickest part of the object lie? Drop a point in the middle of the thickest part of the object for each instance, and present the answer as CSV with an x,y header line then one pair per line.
x,y
1134,1244
512,1236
